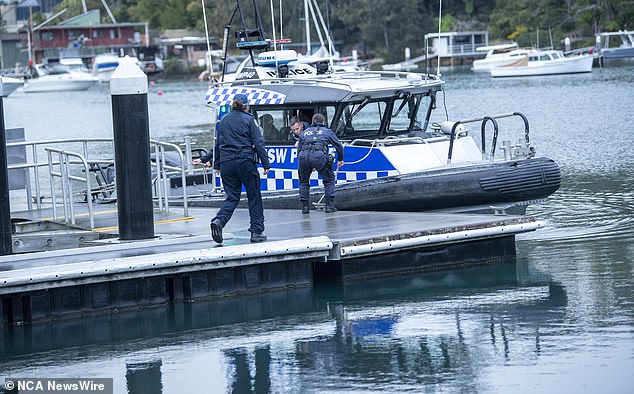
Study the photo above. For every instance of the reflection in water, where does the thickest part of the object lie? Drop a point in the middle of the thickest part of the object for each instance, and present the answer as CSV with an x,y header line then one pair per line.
x,y
398,333
241,377
144,378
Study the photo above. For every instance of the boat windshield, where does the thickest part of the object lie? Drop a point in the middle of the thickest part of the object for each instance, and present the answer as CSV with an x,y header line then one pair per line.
x,y
56,69
369,118
387,116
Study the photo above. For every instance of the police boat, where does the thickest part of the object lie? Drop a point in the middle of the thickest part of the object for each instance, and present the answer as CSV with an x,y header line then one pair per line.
x,y
396,159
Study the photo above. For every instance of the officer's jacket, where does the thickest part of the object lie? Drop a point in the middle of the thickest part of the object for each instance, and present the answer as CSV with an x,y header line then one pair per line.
x,y
239,137
313,145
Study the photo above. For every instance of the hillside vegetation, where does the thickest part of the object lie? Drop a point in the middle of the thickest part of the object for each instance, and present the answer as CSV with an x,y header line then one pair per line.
x,y
385,27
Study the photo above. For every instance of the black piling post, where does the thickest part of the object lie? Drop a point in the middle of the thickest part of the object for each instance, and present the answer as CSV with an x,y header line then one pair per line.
x,y
5,208
129,88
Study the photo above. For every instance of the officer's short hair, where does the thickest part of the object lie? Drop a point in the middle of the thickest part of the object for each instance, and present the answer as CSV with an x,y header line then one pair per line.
x,y
319,119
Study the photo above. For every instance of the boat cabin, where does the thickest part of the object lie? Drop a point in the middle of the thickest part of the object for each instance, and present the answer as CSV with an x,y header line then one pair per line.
x,y
357,106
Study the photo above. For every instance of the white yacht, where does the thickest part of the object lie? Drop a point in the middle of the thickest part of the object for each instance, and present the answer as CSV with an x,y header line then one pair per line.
x,y
546,62
499,55
58,78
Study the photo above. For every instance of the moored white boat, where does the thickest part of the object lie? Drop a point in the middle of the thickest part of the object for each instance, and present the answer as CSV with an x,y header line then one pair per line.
x,y
58,78
499,55
547,62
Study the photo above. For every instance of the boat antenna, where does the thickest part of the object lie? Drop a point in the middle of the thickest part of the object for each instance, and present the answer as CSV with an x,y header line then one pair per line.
x,y
439,24
307,28
274,38
209,61
225,43
281,27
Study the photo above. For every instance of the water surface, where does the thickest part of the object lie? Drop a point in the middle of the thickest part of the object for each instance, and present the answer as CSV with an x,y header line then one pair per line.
x,y
561,319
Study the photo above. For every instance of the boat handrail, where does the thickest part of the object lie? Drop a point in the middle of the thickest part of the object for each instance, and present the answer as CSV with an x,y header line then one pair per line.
x,y
334,78
390,140
484,120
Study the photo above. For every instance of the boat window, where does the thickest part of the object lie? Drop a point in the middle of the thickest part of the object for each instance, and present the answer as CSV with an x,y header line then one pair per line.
x,y
272,124
402,111
329,113
361,119
408,115
58,69
275,122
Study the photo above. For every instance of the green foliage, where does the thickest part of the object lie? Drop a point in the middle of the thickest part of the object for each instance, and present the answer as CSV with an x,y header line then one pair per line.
x,y
468,7
447,22
385,27
173,66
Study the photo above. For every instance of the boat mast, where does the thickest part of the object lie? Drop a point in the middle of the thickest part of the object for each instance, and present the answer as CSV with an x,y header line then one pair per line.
x,y
306,19
208,58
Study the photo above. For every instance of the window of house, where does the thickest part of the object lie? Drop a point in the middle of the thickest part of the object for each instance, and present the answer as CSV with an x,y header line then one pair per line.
x,y
47,36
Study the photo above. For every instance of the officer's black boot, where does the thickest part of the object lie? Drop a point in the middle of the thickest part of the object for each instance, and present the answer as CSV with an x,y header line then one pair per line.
x,y
305,209
330,205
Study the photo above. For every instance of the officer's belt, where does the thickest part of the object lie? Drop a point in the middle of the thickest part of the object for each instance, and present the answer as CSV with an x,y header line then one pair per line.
x,y
238,155
314,146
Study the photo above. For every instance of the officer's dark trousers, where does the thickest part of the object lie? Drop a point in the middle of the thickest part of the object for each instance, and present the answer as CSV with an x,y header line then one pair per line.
x,y
327,174
234,174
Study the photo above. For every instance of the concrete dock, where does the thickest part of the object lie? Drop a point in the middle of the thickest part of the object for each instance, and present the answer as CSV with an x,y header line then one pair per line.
x,y
182,263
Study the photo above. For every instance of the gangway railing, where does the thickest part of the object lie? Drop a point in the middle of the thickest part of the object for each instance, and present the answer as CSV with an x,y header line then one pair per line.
x,y
163,170
64,173
84,156
35,163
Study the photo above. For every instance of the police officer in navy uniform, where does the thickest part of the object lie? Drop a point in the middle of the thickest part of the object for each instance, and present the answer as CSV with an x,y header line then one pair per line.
x,y
313,154
238,142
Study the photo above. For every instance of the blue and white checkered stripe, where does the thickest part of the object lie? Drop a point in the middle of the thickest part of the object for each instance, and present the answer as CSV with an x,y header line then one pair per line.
x,y
278,179
223,96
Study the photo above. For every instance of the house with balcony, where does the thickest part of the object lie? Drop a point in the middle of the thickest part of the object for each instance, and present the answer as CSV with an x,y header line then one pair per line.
x,y
85,36
456,47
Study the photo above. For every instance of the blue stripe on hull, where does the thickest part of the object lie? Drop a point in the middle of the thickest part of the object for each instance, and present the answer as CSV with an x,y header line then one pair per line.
x,y
365,163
